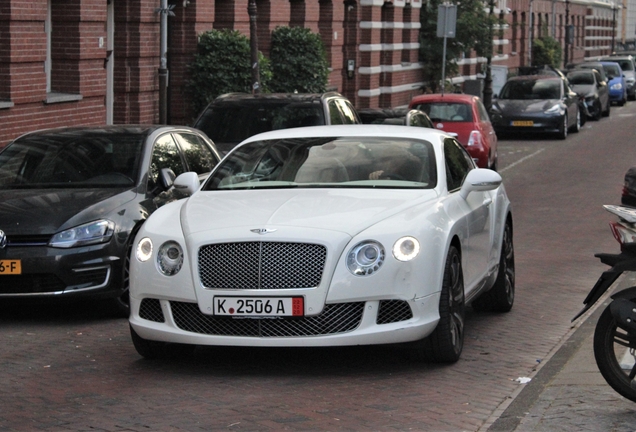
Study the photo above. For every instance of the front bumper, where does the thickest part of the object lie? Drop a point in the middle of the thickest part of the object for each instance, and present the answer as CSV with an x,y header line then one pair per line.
x,y
94,271
507,125
338,324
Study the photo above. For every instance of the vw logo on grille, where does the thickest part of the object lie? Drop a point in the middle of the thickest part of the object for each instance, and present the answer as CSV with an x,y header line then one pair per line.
x,y
263,231
3,240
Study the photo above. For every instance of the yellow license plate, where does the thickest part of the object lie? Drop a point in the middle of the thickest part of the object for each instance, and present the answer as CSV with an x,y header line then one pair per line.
x,y
10,267
523,123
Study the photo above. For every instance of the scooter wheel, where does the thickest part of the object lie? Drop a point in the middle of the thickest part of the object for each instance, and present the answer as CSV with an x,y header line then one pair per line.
x,y
615,353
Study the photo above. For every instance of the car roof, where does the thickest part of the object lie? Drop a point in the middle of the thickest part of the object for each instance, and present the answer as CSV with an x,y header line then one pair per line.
x,y
378,113
260,97
103,129
581,71
535,78
446,97
358,130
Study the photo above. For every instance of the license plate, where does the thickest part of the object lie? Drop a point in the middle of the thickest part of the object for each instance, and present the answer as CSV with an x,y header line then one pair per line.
x,y
259,306
10,267
523,123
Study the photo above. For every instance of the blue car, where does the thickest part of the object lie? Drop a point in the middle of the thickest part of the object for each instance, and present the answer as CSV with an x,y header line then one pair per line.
x,y
616,83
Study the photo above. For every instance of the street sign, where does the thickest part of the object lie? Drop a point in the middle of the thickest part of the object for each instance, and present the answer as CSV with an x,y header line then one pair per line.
x,y
446,20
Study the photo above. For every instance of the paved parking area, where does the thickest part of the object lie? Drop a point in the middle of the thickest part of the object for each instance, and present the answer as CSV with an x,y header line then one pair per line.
x,y
73,368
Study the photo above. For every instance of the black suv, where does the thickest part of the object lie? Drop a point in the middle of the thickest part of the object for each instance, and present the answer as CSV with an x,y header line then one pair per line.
x,y
233,117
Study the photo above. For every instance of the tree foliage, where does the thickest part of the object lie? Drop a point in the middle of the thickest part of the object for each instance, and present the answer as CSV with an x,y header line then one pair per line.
x,y
222,64
546,51
473,31
299,61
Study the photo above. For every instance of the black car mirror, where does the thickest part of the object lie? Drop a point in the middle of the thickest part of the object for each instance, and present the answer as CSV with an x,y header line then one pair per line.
x,y
166,179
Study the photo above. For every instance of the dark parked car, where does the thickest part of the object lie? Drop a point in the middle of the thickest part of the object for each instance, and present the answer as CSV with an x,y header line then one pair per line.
x,y
589,84
536,103
72,199
395,116
233,117
591,65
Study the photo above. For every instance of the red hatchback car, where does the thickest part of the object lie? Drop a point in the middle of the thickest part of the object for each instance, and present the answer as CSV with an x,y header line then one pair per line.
x,y
465,117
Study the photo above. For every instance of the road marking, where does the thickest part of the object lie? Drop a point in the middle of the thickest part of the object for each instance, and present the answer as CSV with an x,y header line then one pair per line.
x,y
521,160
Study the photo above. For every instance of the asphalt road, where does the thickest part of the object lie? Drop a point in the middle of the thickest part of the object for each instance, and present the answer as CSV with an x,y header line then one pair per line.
x,y
72,367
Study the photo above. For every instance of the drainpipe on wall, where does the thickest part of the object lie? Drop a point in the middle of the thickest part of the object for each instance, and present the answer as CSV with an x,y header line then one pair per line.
x,y
530,34
164,10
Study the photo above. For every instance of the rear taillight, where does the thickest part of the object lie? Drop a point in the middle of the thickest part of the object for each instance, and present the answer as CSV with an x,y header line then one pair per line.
x,y
474,138
622,233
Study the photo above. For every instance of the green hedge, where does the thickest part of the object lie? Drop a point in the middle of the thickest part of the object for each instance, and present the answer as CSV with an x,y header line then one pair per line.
x,y
222,65
299,61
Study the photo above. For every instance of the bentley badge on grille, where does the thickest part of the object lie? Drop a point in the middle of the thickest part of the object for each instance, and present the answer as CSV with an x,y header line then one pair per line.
x,y
263,231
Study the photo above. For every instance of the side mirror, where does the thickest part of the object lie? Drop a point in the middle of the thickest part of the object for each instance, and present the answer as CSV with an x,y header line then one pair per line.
x,y
480,180
166,178
187,183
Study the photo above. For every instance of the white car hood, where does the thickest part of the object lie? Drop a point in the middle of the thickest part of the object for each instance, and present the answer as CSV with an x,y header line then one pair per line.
x,y
344,210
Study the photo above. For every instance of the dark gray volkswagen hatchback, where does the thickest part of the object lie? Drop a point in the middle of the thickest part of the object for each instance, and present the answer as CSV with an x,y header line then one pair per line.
x,y
72,199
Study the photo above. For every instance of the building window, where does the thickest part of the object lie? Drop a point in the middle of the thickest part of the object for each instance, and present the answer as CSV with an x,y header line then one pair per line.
x,y
62,52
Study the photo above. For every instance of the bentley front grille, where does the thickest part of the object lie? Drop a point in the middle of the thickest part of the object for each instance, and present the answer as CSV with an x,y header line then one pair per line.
x,y
261,265
335,318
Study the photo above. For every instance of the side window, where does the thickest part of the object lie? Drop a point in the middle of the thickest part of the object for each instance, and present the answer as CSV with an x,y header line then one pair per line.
x,y
334,113
197,154
481,109
165,154
458,163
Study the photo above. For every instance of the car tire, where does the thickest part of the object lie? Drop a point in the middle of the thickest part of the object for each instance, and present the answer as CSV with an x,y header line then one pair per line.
x,y
622,102
446,342
493,166
598,111
577,124
121,303
157,350
563,130
501,296
606,113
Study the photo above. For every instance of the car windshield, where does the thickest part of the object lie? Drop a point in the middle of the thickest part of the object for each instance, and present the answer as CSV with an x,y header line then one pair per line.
x,y
626,65
531,89
612,71
446,111
346,162
232,123
581,78
71,161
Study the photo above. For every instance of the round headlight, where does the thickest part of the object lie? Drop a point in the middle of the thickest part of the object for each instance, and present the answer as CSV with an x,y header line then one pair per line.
x,y
406,248
144,249
365,258
170,258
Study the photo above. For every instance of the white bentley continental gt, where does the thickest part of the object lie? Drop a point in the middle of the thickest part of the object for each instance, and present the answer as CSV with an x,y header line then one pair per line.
x,y
326,236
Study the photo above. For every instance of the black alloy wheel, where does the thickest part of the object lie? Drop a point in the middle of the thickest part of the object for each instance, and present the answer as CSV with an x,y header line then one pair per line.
x,y
446,342
501,296
563,129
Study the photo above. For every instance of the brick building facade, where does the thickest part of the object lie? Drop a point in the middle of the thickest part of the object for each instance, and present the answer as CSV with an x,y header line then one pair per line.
x,y
70,62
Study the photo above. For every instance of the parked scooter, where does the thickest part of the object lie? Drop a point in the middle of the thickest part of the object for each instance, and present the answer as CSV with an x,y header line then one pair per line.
x,y
615,333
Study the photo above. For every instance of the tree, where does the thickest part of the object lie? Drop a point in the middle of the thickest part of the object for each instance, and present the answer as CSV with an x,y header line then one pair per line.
x,y
546,51
299,61
222,65
472,31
